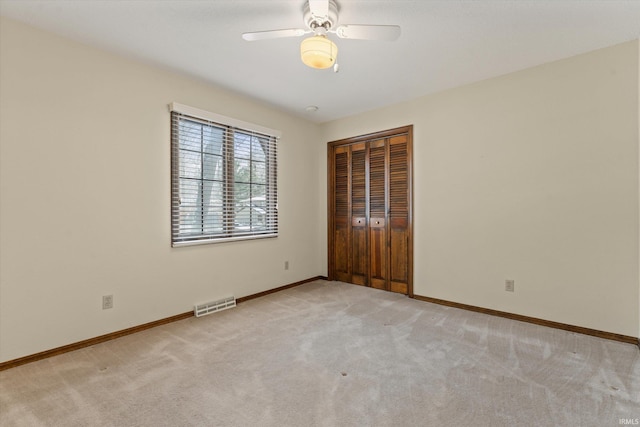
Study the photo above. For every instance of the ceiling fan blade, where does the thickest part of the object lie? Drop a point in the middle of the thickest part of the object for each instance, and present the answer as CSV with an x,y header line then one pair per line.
x,y
368,32
319,8
273,34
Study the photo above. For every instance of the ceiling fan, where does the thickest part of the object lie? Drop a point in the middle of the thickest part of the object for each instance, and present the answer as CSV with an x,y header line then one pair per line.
x,y
321,18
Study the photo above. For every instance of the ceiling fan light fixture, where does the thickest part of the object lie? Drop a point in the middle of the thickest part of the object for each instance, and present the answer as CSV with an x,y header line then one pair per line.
x,y
318,52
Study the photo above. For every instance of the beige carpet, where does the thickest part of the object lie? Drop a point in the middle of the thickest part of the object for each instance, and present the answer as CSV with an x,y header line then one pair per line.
x,y
332,354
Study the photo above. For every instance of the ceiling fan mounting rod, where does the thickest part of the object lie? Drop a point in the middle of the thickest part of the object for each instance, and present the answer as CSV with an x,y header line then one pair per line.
x,y
320,29
327,21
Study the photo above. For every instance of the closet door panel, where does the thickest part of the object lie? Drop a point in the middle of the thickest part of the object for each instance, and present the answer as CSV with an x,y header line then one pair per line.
x,y
377,214
399,213
358,214
341,215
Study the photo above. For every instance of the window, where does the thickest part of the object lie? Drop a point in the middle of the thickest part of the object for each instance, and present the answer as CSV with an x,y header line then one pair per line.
x,y
223,178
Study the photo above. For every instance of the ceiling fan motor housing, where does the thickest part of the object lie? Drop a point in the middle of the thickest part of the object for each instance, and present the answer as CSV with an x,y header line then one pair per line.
x,y
312,21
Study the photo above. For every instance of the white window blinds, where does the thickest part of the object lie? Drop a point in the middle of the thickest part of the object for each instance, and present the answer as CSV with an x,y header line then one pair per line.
x,y
223,178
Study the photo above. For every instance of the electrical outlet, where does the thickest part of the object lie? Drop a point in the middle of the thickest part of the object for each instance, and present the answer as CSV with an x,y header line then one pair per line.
x,y
286,265
509,285
107,302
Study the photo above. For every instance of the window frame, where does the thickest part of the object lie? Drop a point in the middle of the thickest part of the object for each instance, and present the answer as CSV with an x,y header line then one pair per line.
x,y
268,141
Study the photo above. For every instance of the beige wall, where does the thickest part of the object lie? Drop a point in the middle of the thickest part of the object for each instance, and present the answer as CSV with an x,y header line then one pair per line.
x,y
532,176
85,196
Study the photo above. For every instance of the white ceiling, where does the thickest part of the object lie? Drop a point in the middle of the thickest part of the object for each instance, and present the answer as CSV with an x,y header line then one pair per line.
x,y
443,43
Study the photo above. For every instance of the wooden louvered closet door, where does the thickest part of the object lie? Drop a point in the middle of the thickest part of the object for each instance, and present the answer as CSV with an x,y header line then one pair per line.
x,y
398,208
378,214
340,234
358,214
370,230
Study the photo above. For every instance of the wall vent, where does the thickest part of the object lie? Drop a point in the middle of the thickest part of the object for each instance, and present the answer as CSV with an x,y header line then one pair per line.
x,y
214,306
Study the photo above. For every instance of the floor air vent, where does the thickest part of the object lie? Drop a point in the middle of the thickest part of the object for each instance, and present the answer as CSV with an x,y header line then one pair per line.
x,y
214,306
